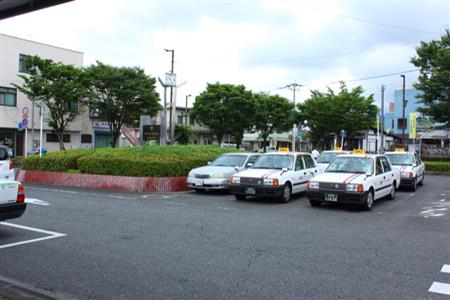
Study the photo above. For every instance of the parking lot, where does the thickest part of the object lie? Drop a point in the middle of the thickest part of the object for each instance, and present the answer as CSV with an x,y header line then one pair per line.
x,y
91,244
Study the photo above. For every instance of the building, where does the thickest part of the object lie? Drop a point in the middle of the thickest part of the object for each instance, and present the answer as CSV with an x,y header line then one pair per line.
x,y
16,109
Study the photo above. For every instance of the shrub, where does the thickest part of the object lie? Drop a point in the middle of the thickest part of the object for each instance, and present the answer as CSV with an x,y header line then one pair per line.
x,y
158,161
437,166
435,158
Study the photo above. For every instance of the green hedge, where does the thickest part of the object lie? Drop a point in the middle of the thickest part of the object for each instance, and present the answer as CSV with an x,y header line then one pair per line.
x,y
437,166
155,161
435,158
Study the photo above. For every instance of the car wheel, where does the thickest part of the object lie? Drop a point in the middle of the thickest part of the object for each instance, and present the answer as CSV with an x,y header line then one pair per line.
x,y
200,191
315,203
423,178
391,195
368,202
414,185
287,192
240,197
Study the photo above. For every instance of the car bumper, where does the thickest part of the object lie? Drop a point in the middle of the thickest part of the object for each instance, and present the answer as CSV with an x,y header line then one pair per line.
x,y
407,181
259,191
342,197
12,211
207,184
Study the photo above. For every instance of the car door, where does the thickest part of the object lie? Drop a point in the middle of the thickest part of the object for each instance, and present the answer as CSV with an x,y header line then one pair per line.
x,y
299,175
310,168
420,167
388,174
379,179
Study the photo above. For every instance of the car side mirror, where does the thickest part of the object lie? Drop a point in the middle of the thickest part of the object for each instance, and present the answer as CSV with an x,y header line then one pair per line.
x,y
236,168
284,170
414,164
209,163
368,174
249,165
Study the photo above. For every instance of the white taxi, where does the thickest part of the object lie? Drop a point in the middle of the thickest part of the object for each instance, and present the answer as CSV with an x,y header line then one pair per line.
x,y
326,157
12,199
410,166
356,179
276,175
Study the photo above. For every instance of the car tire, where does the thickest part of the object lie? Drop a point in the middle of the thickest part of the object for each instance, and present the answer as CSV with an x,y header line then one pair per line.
x,y
392,193
423,178
315,203
200,191
240,197
287,193
414,185
368,202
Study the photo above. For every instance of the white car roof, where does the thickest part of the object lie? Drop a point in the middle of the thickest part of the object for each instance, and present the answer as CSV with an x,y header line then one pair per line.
x,y
242,153
286,153
361,155
336,151
399,153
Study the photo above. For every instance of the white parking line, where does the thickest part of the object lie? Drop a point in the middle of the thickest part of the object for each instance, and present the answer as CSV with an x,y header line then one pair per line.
x,y
440,288
36,201
445,269
51,235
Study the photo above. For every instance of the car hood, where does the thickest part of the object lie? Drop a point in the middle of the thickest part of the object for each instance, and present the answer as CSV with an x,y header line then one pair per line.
x,y
340,177
259,173
322,166
214,170
403,168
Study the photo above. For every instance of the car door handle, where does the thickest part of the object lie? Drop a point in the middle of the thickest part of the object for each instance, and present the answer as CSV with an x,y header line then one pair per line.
x,y
315,171
384,177
305,173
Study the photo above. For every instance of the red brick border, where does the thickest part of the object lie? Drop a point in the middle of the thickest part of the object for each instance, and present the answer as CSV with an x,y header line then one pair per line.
x,y
117,183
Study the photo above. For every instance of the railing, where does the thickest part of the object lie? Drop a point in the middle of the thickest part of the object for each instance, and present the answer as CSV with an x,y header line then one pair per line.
x,y
129,134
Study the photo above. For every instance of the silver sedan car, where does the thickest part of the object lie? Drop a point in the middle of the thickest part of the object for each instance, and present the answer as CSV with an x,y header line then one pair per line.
x,y
215,175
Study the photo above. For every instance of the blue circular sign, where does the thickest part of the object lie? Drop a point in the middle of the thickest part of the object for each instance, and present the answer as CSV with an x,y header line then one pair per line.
x,y
20,125
25,122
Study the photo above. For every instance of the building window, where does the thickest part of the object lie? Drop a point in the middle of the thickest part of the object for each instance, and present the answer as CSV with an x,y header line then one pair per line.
x,y
191,121
392,124
86,138
22,66
180,119
72,106
53,138
401,123
8,96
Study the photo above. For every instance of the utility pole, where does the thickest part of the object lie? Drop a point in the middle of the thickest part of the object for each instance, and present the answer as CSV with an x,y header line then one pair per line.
x,y
185,110
294,87
404,102
382,119
163,128
171,97
32,126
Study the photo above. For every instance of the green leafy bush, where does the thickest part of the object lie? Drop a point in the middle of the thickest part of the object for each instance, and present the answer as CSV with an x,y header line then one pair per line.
x,y
435,158
155,160
437,166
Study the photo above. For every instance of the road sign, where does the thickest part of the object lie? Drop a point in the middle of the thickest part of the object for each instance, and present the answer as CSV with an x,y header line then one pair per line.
x,y
299,134
20,125
343,133
25,122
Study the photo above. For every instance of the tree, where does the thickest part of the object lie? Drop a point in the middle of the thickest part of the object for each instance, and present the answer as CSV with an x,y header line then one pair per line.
x,y
225,109
183,133
433,60
62,88
329,113
121,95
272,114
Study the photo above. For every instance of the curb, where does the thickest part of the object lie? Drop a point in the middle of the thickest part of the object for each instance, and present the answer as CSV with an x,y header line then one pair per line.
x,y
109,182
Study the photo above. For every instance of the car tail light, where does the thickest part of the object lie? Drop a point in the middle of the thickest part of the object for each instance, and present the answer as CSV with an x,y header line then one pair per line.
x,y
20,194
410,175
360,188
11,164
275,182
308,185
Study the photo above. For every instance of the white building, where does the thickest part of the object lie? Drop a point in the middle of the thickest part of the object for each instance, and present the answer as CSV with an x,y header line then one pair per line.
x,y
15,106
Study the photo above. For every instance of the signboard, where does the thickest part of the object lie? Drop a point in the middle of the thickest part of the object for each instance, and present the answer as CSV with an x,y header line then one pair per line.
x,y
151,133
98,124
170,79
343,133
412,125
283,149
359,151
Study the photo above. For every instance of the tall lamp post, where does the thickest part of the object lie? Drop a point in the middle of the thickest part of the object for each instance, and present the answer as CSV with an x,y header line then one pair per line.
x,y
185,109
404,102
171,96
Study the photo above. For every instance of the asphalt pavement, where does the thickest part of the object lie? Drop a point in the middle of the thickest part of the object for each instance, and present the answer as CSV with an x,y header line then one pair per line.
x,y
91,244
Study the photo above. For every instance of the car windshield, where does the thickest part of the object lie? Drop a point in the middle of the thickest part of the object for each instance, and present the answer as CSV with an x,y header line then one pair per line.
x,y
229,161
351,165
274,162
327,157
401,159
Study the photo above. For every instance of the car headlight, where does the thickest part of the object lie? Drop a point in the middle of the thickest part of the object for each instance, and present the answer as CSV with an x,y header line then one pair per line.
x,y
314,185
407,175
351,187
219,175
191,174
236,180
271,181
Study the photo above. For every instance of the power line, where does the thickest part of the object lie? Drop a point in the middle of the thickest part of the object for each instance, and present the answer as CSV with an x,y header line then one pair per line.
x,y
361,19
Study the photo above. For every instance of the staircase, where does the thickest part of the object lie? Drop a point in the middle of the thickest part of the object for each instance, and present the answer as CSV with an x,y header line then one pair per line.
x,y
128,132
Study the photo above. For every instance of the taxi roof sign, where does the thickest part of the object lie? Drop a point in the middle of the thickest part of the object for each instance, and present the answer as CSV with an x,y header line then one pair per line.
x,y
359,151
283,149
399,149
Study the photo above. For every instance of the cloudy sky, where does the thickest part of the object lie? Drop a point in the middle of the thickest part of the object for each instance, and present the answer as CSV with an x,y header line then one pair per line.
x,y
263,44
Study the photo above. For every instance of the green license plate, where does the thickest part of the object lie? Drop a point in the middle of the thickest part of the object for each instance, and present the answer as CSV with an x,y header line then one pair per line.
x,y
250,191
331,197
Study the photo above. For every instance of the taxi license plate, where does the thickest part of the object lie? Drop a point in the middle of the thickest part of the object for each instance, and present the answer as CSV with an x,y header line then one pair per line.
x,y
198,182
250,191
331,197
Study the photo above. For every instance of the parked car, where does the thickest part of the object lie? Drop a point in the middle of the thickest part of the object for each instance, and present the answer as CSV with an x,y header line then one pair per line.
x,y
215,176
326,157
12,199
356,179
410,166
275,175
6,164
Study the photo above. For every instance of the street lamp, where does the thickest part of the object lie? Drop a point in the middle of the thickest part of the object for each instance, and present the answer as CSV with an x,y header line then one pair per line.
x,y
171,97
185,109
404,102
